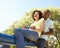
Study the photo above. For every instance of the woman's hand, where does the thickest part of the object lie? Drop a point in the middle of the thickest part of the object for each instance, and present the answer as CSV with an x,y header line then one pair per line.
x,y
24,27
32,27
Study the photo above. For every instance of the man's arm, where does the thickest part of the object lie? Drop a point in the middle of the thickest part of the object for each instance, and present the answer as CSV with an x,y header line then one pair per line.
x,y
47,33
51,29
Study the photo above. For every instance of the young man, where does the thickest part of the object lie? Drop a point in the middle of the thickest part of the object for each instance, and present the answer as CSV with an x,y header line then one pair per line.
x,y
48,30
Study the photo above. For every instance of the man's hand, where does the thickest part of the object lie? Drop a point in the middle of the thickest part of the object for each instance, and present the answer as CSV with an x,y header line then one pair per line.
x,y
48,33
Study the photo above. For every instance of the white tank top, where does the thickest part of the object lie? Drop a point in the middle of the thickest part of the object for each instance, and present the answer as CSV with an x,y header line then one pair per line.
x,y
37,25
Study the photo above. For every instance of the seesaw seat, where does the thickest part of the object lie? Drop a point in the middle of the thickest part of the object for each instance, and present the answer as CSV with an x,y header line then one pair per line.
x,y
9,39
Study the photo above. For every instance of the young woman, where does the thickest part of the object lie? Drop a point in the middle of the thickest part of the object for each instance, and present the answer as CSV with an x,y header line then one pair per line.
x,y
32,33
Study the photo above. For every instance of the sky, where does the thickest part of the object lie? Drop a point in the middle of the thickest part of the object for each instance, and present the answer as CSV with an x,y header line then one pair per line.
x,y
12,10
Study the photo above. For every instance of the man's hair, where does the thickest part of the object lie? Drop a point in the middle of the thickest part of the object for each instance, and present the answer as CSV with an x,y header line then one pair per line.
x,y
48,11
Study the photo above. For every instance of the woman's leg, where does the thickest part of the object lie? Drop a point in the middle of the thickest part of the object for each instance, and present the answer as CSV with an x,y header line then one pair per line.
x,y
28,34
19,40
21,33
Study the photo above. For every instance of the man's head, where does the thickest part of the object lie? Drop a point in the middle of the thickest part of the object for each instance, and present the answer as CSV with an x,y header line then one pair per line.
x,y
46,13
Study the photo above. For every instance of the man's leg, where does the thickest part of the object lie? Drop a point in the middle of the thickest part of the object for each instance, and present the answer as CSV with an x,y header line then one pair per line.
x,y
21,33
41,43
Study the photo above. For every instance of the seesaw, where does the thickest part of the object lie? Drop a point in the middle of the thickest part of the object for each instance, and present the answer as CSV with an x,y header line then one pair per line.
x,y
9,40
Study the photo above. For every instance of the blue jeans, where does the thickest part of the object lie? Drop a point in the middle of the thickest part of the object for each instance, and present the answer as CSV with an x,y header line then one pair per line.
x,y
20,34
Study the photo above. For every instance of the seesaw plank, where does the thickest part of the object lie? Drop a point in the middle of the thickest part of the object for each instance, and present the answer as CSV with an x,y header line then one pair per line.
x,y
7,39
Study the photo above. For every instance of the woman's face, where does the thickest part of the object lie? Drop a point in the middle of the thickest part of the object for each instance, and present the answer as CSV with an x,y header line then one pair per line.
x,y
36,15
